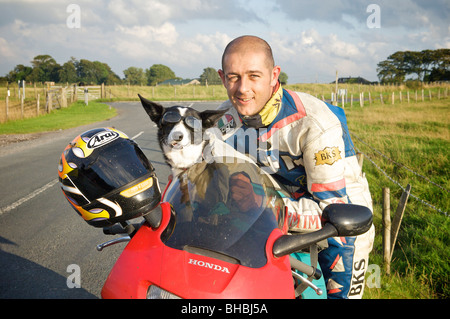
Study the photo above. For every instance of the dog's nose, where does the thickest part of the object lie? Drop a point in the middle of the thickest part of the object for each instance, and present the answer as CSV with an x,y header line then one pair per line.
x,y
177,136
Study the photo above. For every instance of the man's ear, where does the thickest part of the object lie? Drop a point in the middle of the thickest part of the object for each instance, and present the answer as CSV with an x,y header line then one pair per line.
x,y
154,110
210,117
275,75
222,76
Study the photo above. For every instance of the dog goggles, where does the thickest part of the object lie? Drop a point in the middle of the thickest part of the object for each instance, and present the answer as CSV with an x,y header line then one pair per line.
x,y
172,117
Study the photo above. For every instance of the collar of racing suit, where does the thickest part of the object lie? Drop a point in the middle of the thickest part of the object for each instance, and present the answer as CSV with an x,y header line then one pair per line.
x,y
267,113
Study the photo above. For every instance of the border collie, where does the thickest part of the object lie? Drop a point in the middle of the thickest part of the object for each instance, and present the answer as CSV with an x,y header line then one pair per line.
x,y
181,132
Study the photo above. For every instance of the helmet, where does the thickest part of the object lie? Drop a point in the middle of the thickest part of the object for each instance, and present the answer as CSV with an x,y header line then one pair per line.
x,y
106,178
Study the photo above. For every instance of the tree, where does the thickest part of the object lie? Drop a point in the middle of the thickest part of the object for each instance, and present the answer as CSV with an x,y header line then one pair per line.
x,y
96,72
210,77
427,65
20,72
283,77
135,76
45,68
68,71
159,73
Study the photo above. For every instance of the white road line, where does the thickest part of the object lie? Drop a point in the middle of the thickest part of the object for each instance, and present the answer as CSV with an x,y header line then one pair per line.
x,y
28,197
137,135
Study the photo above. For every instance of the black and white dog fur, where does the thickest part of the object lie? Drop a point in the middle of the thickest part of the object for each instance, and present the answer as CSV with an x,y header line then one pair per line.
x,y
181,146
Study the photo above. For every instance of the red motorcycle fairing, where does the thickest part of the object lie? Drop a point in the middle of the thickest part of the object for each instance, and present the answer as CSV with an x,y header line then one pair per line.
x,y
147,261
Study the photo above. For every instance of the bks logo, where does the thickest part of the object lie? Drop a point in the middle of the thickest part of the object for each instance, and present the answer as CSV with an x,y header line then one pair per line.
x,y
102,138
329,155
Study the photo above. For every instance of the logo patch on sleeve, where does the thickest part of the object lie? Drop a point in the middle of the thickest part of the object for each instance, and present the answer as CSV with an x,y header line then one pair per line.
x,y
329,156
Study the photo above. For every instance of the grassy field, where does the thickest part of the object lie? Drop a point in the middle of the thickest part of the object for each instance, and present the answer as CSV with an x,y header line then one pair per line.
x,y
75,115
409,142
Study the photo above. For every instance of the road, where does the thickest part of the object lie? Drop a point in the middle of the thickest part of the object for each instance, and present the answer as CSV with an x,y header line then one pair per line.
x,y
41,236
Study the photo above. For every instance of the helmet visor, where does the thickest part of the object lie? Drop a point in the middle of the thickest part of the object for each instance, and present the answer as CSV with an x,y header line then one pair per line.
x,y
117,164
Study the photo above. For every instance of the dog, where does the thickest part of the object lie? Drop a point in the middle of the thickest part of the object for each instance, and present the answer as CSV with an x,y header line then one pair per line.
x,y
181,132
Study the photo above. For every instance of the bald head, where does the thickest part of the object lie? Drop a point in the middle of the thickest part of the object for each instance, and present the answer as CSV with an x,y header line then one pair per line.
x,y
246,44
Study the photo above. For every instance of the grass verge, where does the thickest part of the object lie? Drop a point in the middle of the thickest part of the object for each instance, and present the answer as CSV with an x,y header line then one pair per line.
x,y
75,115
411,144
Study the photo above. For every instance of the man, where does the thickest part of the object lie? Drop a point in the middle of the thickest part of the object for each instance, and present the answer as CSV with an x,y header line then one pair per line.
x,y
304,142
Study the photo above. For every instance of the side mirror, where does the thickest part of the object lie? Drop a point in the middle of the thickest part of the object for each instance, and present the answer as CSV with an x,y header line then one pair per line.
x,y
337,220
348,219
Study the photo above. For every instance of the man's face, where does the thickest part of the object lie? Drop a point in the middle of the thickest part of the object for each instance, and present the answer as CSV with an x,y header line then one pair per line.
x,y
249,80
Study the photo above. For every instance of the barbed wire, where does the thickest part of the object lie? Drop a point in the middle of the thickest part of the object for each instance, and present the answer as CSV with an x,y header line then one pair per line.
x,y
396,182
400,164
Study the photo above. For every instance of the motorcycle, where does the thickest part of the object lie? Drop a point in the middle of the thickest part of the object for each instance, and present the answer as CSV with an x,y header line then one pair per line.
x,y
206,240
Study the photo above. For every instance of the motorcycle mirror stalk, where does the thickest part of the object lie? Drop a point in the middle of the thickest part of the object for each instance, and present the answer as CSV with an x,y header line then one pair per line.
x,y
153,218
341,220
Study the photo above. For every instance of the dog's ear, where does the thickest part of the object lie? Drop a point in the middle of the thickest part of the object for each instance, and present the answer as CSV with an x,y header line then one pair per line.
x,y
210,117
154,110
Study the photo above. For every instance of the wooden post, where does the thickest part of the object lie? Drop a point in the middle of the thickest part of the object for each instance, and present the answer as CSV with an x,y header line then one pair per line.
x,y
37,104
408,96
7,106
360,157
336,91
49,102
63,97
393,98
21,105
386,230
399,216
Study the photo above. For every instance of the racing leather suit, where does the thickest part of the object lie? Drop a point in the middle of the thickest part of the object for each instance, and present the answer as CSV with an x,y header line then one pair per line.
x,y
305,144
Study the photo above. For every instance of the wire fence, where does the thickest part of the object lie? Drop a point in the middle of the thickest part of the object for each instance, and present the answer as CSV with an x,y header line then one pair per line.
x,y
424,202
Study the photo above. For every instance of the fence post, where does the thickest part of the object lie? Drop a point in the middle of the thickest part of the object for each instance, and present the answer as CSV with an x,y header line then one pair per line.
x,y
7,106
386,230
399,216
37,104
63,97
21,106
49,102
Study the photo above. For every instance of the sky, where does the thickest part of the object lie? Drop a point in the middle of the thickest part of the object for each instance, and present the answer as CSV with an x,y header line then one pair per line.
x,y
311,40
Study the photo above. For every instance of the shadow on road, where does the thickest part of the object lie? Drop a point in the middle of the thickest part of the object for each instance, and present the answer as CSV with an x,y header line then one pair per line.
x,y
23,279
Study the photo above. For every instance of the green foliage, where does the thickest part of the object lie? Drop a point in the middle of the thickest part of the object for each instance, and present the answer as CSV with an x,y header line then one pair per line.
x,y
283,78
426,65
46,69
135,76
159,73
210,76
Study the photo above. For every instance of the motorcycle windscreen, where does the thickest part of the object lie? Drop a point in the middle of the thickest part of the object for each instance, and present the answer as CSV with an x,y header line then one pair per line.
x,y
230,209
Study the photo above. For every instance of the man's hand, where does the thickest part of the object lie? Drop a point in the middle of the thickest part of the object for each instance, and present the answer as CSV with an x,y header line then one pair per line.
x,y
242,193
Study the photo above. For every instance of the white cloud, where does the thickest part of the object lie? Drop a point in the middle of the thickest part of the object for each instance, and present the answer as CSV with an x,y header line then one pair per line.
x,y
6,51
309,39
